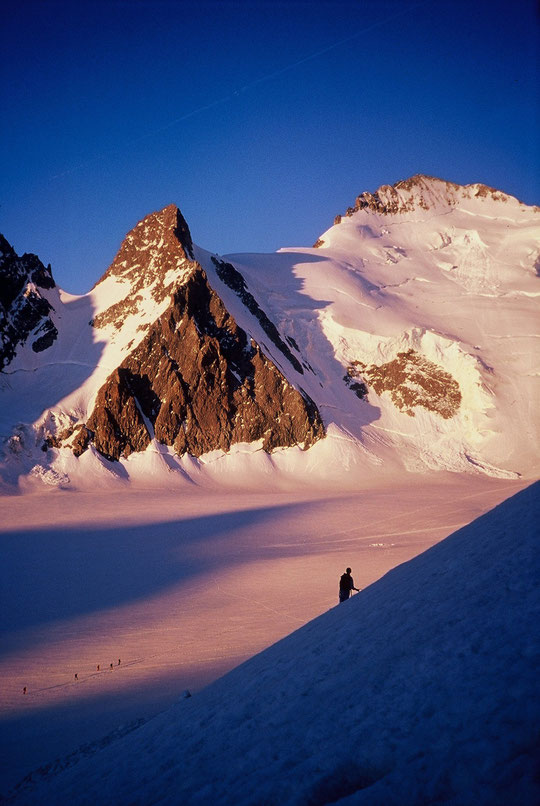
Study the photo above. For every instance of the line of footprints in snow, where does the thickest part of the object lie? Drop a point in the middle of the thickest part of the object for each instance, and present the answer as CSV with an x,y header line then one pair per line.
x,y
76,675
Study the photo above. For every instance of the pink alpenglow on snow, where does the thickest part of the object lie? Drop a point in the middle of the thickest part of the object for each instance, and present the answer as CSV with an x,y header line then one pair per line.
x,y
421,689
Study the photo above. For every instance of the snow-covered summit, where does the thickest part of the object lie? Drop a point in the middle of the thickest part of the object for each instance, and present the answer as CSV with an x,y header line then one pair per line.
x,y
427,296
421,689
429,194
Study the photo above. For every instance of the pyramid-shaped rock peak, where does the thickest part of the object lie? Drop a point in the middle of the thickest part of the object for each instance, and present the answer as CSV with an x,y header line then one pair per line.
x,y
154,257
165,231
198,383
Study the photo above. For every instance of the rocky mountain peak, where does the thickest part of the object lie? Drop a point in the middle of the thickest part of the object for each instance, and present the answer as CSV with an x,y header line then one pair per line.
x,y
430,190
24,310
17,271
197,382
160,232
154,257
189,377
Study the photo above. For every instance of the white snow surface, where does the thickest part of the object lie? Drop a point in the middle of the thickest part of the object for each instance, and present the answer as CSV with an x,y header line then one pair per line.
x,y
422,689
454,277
457,283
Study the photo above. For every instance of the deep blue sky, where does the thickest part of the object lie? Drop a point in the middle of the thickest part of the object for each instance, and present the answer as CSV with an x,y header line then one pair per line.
x,y
261,120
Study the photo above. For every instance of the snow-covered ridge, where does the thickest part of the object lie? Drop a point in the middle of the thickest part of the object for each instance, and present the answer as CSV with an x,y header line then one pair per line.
x,y
429,194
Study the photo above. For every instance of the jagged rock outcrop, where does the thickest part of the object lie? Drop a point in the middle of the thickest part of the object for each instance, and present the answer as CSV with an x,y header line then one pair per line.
x,y
75,437
411,380
197,383
419,192
24,311
405,196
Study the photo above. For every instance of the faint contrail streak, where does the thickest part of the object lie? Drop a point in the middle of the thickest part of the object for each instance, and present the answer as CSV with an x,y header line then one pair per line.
x,y
250,85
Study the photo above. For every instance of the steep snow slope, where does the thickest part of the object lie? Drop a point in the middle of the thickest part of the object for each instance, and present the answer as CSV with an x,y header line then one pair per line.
x,y
421,689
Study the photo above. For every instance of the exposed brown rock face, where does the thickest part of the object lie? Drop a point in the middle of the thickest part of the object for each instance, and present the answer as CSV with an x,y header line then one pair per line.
x,y
116,421
414,193
78,437
411,380
198,383
151,256
80,441
24,312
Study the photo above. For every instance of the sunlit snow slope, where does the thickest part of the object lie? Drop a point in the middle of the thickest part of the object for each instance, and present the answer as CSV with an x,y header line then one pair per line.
x,y
412,326
421,689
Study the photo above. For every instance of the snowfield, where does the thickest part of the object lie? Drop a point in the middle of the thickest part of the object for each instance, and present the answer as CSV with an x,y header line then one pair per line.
x,y
181,585
420,689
